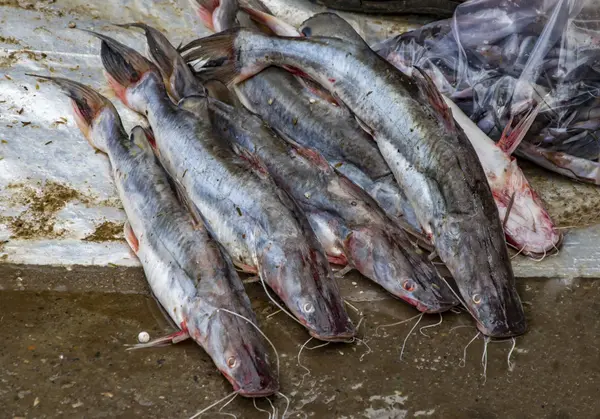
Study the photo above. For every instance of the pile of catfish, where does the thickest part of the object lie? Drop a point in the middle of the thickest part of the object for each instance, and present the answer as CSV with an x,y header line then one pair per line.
x,y
280,155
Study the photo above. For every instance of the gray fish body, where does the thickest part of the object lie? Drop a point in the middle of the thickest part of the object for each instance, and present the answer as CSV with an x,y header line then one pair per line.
x,y
433,162
258,225
312,122
351,227
187,270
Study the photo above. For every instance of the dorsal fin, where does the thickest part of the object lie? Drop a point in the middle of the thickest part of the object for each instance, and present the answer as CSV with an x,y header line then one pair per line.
x,y
430,93
197,105
218,90
331,25
314,157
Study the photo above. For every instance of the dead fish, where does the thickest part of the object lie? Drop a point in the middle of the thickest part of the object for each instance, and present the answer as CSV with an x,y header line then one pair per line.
x,y
351,227
305,117
430,158
527,225
440,8
188,271
260,227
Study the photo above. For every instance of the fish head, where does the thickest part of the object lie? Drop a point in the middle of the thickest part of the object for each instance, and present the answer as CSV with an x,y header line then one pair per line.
x,y
498,313
476,255
527,225
303,281
237,349
392,261
128,72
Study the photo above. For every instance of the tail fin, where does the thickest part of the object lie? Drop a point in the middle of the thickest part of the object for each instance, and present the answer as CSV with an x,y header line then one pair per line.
x,y
278,26
219,48
124,65
87,105
217,15
512,137
177,76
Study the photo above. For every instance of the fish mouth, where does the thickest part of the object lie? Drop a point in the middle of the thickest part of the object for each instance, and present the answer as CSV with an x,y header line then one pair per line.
x,y
440,309
512,332
338,337
257,393
423,308
268,390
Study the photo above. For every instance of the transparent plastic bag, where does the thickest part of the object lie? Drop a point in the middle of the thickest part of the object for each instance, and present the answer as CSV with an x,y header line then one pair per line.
x,y
497,59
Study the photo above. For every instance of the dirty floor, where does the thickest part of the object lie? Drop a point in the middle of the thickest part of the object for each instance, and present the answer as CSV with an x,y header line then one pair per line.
x,y
63,355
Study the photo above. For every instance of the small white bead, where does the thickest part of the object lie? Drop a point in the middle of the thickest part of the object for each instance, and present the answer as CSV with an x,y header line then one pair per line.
x,y
143,337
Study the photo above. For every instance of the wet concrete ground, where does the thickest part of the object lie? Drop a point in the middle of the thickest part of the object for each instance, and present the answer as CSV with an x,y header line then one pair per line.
x,y
62,355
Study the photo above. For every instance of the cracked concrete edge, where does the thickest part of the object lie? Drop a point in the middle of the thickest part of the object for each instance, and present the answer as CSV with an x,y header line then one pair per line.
x,y
131,280
73,279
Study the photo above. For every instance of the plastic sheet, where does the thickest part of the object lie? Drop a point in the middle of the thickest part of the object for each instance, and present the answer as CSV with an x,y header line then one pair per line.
x,y
498,59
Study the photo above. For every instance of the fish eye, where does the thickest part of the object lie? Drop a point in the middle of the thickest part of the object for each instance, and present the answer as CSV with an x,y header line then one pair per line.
x,y
231,362
476,298
308,308
409,285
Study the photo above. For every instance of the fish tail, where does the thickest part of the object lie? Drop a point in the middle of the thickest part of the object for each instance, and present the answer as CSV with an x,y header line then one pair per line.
x,y
511,138
217,48
205,9
87,106
278,26
124,66
177,76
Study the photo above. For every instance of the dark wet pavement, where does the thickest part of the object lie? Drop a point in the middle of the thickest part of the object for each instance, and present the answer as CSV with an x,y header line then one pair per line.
x,y
62,355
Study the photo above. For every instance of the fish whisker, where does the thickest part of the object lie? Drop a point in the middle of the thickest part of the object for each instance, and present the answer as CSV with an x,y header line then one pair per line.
x,y
234,394
431,325
409,333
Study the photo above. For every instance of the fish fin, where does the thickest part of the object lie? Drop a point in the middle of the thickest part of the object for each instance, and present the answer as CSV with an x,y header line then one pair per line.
x,y
204,9
314,157
172,338
219,91
131,238
255,162
198,105
256,5
512,137
143,137
87,105
226,73
278,26
340,260
364,126
430,92
318,90
197,219
177,76
331,25
219,45
151,138
220,48
124,66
